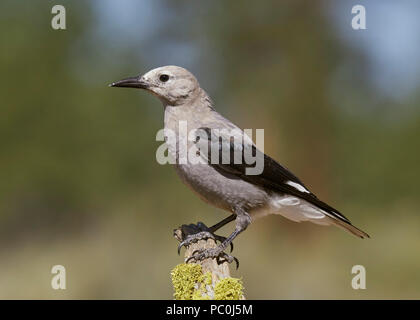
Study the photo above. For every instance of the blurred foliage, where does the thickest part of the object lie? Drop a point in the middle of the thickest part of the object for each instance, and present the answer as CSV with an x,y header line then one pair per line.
x,y
80,185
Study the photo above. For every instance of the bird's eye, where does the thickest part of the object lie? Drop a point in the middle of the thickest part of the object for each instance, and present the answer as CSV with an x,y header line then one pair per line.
x,y
163,77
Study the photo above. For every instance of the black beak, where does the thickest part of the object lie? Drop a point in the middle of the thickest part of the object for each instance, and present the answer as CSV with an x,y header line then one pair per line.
x,y
133,82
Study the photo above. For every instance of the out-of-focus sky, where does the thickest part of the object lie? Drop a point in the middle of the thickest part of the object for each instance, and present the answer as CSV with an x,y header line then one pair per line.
x,y
391,41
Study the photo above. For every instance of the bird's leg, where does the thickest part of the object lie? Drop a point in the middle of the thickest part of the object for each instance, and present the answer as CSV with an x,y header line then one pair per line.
x,y
242,222
220,224
192,233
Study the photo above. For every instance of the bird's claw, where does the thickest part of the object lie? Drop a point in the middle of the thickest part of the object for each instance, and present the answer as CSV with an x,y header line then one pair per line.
x,y
193,233
193,238
213,253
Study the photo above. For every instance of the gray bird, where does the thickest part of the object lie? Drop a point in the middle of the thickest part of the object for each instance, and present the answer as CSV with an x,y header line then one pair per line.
x,y
275,190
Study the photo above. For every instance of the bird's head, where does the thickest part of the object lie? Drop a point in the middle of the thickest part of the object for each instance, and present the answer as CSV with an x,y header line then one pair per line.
x,y
171,84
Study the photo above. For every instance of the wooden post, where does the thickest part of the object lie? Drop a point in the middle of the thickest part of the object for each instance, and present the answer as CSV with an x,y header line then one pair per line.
x,y
205,279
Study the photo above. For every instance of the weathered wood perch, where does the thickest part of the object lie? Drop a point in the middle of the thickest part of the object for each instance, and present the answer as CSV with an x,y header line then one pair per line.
x,y
205,280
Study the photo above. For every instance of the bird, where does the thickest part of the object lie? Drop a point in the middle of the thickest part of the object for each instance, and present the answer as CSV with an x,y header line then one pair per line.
x,y
226,184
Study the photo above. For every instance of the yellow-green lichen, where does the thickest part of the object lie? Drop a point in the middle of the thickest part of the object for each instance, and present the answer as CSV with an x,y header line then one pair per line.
x,y
191,284
200,295
207,279
205,284
229,289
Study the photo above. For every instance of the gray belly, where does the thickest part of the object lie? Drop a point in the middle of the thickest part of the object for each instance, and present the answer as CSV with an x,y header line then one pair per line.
x,y
223,191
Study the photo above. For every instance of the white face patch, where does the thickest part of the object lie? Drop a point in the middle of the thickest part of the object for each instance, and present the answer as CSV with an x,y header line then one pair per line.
x,y
297,186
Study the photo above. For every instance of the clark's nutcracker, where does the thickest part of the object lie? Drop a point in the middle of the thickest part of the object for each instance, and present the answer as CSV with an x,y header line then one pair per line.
x,y
226,184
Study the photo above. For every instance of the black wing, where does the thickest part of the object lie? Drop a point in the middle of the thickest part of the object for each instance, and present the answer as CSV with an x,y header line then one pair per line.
x,y
273,176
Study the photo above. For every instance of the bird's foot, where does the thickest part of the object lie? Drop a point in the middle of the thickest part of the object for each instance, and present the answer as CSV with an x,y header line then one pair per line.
x,y
212,253
193,238
193,233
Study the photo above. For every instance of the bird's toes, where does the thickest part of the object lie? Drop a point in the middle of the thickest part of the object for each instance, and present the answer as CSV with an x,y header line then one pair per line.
x,y
228,258
193,238
213,253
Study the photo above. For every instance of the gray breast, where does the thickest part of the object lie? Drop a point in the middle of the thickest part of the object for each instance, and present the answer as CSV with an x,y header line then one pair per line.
x,y
224,191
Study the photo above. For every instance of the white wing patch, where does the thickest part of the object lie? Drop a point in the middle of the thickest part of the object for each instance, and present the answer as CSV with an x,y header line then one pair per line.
x,y
297,186
297,209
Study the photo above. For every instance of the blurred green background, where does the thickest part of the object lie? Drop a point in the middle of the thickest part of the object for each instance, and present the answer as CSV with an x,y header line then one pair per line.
x,y
80,185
